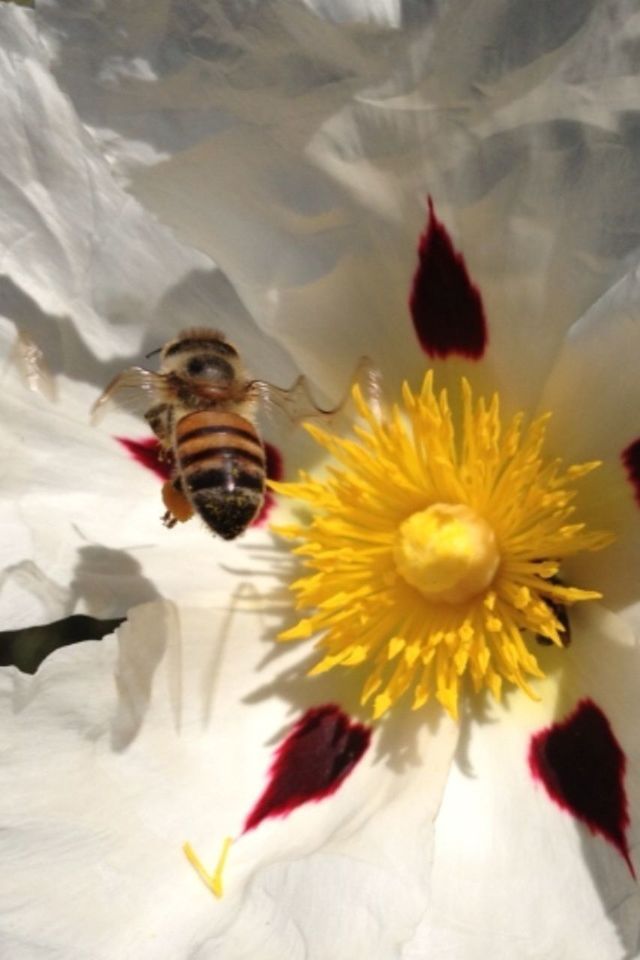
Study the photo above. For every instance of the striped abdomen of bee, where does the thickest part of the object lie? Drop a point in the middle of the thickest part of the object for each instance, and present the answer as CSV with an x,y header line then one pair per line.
x,y
221,468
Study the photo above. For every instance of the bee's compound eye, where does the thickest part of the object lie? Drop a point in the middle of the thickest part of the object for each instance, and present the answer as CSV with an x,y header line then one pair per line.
x,y
209,368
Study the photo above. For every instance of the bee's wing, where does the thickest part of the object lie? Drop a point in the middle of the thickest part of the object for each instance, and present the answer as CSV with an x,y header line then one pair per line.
x,y
135,389
298,403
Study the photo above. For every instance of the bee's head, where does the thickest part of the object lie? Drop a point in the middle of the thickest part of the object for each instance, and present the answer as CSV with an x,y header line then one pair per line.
x,y
201,355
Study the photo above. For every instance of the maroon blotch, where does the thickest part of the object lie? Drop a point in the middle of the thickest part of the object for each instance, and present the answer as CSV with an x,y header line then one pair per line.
x,y
445,304
631,462
316,757
582,767
275,471
147,453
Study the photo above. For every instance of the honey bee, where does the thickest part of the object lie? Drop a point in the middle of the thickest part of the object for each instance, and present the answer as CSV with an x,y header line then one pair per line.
x,y
203,407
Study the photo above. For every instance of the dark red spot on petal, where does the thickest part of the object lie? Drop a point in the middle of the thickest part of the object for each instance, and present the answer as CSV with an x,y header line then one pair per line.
x,y
147,453
631,461
445,305
275,471
582,767
316,757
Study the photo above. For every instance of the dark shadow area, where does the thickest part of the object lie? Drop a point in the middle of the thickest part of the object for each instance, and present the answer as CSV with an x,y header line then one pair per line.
x,y
27,648
106,582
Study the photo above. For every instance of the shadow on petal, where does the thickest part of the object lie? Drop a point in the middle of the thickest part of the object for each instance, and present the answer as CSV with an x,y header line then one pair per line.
x,y
397,734
136,667
27,648
102,573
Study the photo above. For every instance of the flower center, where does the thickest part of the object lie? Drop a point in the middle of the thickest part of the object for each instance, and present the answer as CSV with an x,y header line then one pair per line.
x,y
447,552
434,549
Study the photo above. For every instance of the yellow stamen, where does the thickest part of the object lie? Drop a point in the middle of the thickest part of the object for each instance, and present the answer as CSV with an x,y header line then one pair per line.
x,y
213,881
434,549
446,552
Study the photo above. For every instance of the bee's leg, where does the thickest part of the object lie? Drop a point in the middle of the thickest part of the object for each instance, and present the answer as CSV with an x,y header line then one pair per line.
x,y
157,417
179,510
160,419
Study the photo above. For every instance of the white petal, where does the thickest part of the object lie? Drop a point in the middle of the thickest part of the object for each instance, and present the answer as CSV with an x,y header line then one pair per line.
x,y
280,224
308,143
494,141
384,12
72,241
103,782
593,392
514,875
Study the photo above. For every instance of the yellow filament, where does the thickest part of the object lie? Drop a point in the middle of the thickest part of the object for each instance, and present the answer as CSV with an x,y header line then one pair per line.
x,y
434,549
213,881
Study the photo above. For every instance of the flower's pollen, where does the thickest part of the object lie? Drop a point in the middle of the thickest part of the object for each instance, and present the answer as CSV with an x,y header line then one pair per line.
x,y
446,552
433,549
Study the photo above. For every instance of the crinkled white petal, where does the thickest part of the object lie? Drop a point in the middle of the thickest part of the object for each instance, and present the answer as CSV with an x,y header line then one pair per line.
x,y
119,751
593,391
308,140
514,875
88,273
73,243
296,146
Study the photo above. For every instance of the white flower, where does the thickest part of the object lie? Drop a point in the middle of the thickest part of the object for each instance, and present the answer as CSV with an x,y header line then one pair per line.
x,y
296,145
95,282
116,778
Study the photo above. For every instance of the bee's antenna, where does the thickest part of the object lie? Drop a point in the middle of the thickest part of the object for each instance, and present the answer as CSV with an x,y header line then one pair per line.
x,y
153,353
